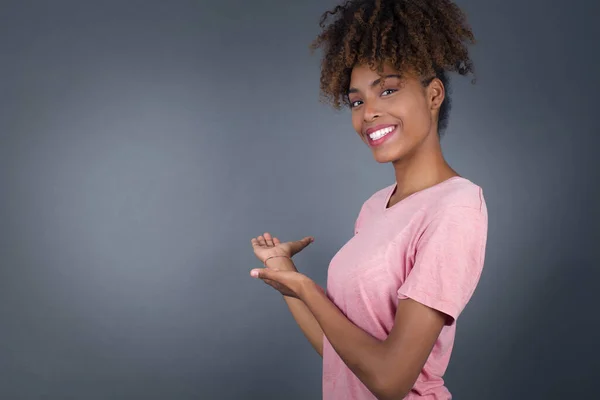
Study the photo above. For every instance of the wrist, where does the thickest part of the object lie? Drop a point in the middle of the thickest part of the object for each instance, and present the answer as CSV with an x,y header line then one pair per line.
x,y
274,257
280,263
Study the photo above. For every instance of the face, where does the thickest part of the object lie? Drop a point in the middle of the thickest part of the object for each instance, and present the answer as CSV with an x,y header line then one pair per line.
x,y
392,113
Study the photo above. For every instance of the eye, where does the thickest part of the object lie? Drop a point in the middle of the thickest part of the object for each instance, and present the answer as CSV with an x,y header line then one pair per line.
x,y
387,92
356,103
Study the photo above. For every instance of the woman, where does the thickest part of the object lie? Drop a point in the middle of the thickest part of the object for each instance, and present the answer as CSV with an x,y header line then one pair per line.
x,y
386,325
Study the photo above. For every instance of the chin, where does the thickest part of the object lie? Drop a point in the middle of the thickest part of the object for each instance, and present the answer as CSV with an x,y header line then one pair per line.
x,y
387,157
383,160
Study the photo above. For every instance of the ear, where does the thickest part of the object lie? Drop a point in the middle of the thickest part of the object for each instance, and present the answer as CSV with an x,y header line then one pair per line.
x,y
435,94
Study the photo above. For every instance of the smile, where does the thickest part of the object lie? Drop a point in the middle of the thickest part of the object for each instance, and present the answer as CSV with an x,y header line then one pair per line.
x,y
381,133
378,135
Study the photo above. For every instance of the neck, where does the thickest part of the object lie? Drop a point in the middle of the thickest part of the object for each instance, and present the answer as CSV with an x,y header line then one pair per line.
x,y
425,168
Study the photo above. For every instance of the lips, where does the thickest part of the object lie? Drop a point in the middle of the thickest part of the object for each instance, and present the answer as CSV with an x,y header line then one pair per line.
x,y
379,134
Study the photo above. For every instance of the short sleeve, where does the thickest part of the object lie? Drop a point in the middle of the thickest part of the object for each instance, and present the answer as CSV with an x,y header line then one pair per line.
x,y
448,261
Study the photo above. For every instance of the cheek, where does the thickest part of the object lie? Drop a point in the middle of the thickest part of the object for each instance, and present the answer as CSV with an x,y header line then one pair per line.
x,y
400,110
411,112
357,121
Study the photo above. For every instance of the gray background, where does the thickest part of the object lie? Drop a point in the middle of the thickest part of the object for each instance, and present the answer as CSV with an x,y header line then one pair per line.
x,y
143,143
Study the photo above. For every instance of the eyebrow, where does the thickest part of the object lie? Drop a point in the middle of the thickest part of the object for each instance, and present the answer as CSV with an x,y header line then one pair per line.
x,y
376,82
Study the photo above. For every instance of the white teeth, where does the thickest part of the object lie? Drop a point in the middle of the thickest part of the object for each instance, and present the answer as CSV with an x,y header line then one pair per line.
x,y
381,133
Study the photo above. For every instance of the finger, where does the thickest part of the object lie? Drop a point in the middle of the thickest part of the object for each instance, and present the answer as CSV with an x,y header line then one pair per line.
x,y
276,241
278,286
254,242
268,239
271,283
261,240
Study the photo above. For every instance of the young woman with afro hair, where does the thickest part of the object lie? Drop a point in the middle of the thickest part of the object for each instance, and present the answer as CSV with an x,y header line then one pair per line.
x,y
385,326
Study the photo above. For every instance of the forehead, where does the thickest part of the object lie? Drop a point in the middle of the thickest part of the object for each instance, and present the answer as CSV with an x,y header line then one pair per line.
x,y
362,76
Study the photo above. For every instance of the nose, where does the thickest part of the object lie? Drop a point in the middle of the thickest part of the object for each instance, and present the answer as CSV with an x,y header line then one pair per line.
x,y
371,112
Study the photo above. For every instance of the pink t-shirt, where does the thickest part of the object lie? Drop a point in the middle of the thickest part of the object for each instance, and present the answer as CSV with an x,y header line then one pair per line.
x,y
429,247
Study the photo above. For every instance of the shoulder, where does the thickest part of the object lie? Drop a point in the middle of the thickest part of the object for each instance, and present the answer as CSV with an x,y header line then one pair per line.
x,y
456,193
377,199
380,196
453,206
455,211
371,205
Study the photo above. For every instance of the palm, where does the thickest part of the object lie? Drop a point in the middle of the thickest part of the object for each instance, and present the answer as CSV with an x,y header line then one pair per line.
x,y
266,246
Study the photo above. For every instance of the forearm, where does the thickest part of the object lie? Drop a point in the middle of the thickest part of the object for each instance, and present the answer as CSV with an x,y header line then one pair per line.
x,y
364,354
307,323
304,318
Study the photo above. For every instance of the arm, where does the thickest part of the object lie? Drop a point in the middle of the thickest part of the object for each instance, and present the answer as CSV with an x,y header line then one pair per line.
x,y
307,323
280,259
387,368
451,250
448,263
303,316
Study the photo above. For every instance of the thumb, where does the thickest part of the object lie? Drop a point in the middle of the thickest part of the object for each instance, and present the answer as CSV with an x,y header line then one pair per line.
x,y
308,239
263,273
302,243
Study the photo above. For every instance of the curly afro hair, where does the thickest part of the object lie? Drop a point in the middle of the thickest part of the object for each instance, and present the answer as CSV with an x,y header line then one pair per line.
x,y
426,37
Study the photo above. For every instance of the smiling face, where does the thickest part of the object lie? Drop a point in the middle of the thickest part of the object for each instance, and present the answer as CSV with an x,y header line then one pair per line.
x,y
393,113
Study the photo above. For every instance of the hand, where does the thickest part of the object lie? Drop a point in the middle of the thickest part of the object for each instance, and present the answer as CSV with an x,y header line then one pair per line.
x,y
266,246
288,283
